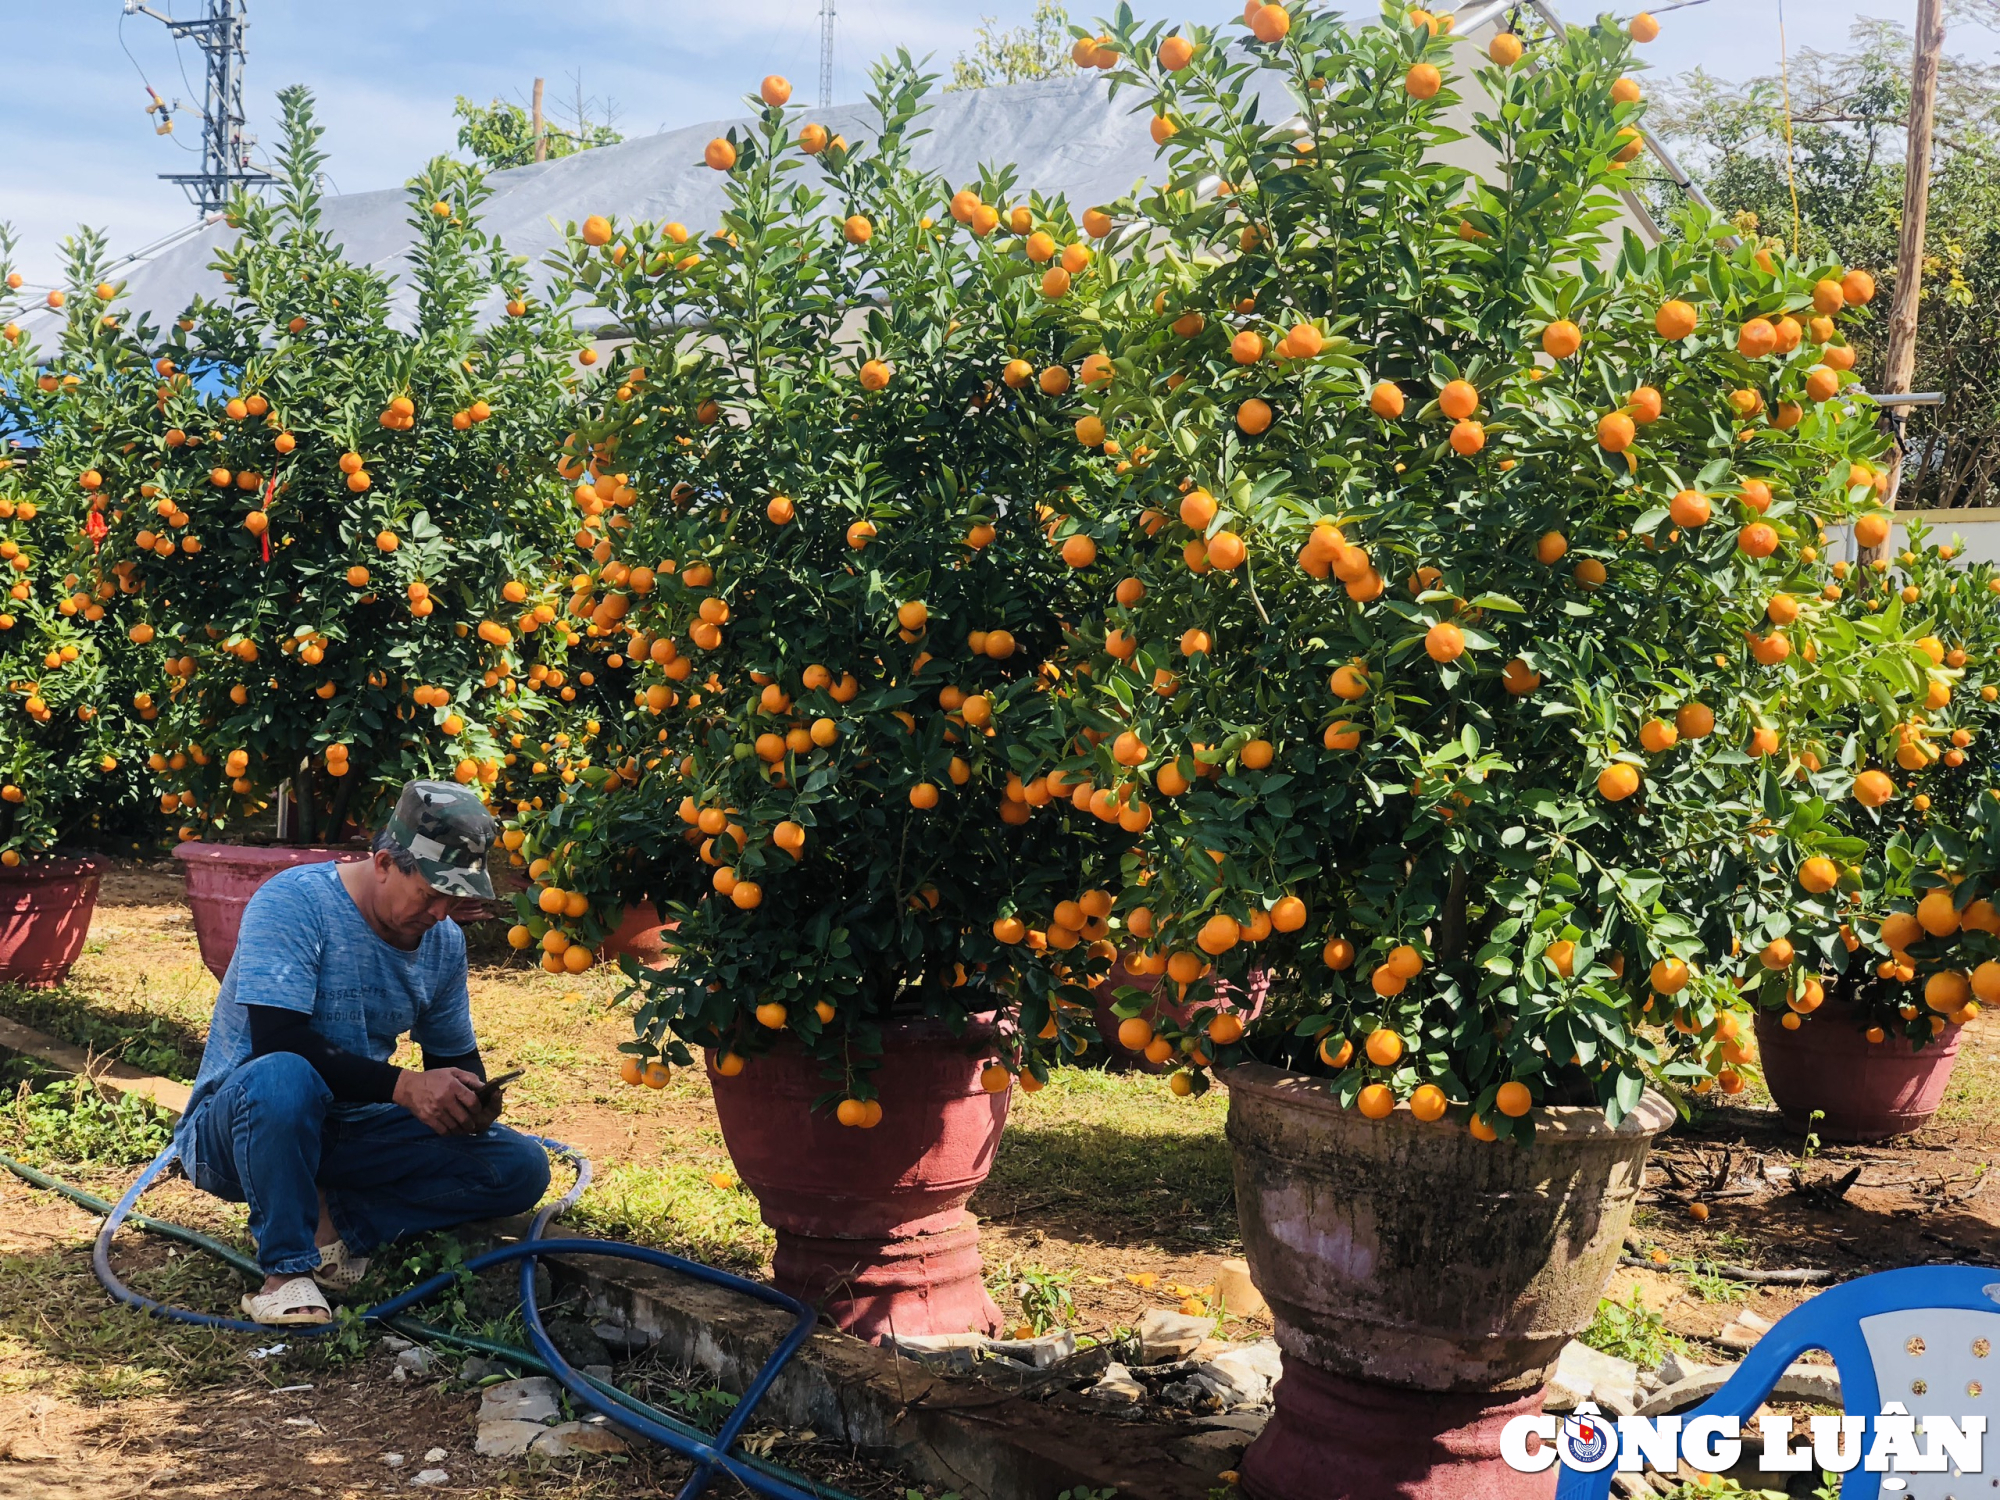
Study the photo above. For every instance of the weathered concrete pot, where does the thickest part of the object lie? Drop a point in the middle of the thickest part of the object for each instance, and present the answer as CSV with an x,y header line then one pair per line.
x,y
1422,1282
221,879
45,909
1861,1090
871,1224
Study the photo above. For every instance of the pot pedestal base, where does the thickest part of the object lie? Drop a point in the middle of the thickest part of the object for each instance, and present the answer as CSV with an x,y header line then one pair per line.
x,y
1338,1439
909,1285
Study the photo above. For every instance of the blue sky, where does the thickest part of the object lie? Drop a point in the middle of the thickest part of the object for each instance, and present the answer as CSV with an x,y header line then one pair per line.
x,y
82,149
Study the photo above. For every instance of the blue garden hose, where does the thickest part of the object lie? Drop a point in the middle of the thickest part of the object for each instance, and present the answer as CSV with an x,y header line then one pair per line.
x,y
709,1454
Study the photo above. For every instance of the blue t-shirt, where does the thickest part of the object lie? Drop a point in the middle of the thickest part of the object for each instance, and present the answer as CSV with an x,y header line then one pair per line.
x,y
305,946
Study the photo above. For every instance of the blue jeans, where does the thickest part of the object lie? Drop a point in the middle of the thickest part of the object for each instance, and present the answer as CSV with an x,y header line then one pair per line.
x,y
272,1133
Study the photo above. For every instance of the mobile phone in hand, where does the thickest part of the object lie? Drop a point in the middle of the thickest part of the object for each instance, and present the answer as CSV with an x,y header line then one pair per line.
x,y
490,1089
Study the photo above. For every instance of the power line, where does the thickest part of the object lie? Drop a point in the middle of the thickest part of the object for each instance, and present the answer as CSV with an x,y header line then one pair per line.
x,y
225,144
157,106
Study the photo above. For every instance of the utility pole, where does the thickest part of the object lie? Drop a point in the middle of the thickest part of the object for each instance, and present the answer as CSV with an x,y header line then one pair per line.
x,y
541,129
225,146
1900,360
825,54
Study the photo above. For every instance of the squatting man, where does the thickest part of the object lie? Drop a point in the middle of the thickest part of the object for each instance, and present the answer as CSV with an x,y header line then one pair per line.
x,y
297,1111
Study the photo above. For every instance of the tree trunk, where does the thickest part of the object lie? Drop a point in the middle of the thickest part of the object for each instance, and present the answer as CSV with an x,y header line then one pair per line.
x,y
1900,361
541,130
305,791
337,819
1451,926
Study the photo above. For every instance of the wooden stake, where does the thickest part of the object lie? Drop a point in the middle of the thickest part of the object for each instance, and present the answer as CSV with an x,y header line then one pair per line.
x,y
1900,360
541,131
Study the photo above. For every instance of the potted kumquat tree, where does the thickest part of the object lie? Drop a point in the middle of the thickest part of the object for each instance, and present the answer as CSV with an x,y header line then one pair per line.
x,y
332,551
1464,643
68,711
1899,932
853,631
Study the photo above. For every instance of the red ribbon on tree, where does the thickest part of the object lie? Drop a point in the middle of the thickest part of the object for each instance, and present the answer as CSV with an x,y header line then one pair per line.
x,y
96,528
270,489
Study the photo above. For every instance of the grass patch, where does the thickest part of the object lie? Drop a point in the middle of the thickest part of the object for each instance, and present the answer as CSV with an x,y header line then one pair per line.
x,y
676,1208
52,1304
1631,1330
1973,1097
163,1043
1121,1146
1707,1283
73,1120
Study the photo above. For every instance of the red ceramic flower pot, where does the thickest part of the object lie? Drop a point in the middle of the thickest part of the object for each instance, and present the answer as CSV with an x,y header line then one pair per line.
x,y
1422,1282
221,879
1861,1090
641,934
871,1224
45,907
1161,1009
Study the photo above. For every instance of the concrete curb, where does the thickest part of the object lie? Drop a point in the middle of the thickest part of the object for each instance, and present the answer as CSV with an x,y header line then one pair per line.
x,y
984,1442
1800,1382
168,1095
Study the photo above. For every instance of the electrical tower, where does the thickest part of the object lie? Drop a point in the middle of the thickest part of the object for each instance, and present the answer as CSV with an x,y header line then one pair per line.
x,y
225,146
825,54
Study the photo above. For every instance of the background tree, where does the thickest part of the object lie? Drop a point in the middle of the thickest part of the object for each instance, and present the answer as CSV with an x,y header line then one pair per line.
x,y
73,688
1848,117
1019,54
323,515
502,133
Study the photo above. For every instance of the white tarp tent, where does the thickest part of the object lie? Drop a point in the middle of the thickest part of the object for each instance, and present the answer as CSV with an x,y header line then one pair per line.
x,y
1064,136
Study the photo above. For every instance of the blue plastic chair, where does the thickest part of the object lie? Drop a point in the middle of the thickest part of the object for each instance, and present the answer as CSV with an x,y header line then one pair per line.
x,y
1926,1336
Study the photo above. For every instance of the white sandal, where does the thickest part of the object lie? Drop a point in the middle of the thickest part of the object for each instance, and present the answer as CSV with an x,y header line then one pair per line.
x,y
295,1304
339,1269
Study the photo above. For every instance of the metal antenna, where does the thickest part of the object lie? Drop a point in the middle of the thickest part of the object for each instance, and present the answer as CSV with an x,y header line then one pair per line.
x,y
825,54
225,145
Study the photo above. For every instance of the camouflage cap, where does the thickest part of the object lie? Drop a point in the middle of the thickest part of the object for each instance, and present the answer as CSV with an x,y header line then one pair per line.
x,y
448,831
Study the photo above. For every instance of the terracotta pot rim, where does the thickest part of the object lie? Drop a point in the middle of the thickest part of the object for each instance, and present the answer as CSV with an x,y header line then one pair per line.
x,y
1843,1012
45,869
1652,1116
259,854
981,1030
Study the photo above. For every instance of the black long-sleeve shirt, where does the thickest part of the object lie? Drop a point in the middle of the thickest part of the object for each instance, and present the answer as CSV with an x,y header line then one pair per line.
x,y
353,1079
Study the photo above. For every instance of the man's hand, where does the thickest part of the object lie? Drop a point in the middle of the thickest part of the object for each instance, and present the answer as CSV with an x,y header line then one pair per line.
x,y
489,1111
446,1099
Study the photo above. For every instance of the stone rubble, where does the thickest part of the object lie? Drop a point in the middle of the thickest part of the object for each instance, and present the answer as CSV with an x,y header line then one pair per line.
x,y
572,1439
954,1352
506,1437
1037,1353
1743,1331
1118,1386
529,1400
1586,1374
414,1361
1167,1336
1242,1376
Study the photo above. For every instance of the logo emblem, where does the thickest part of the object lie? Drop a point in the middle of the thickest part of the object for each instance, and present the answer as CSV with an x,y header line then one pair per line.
x,y
1587,1440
